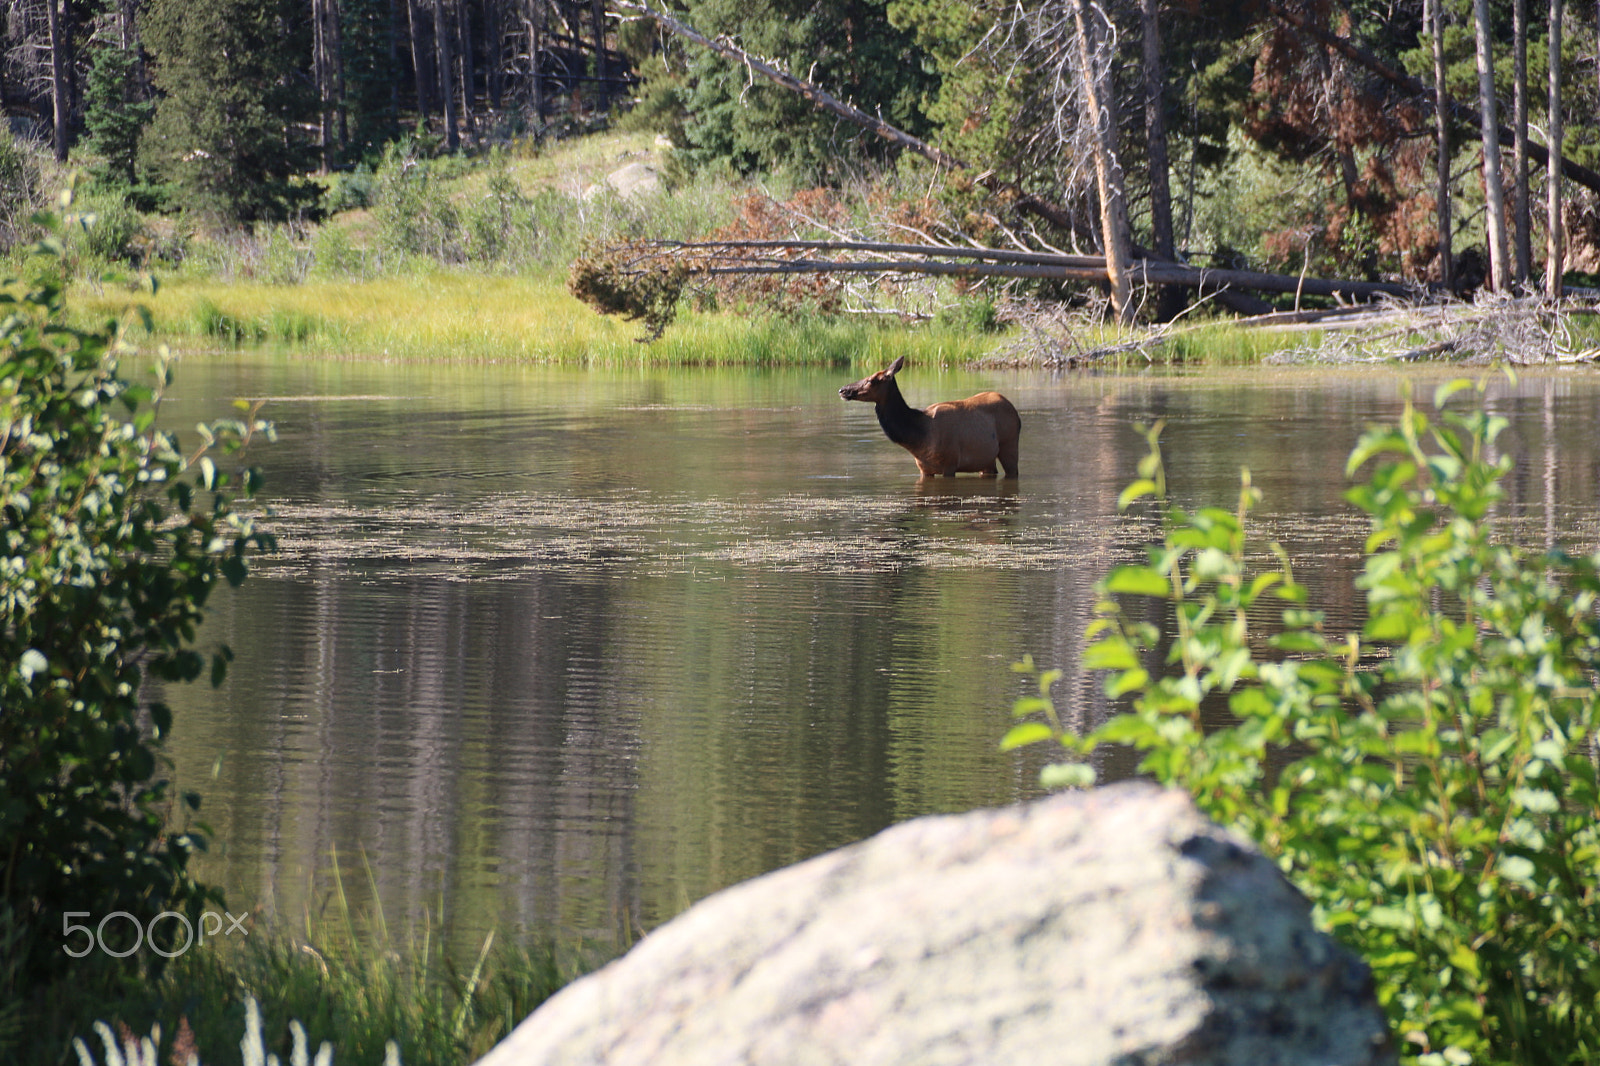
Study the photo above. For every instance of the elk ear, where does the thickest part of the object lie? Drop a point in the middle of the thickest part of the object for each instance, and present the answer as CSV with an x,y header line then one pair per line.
x,y
895,367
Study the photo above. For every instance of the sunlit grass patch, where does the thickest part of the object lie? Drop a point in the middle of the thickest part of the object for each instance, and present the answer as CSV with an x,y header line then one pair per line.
x,y
1226,344
477,318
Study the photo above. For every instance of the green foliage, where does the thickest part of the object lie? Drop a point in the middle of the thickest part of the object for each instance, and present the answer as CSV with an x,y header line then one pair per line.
x,y
115,113
415,217
349,191
978,314
718,116
1430,783
501,225
107,233
112,539
22,190
227,131
370,76
334,254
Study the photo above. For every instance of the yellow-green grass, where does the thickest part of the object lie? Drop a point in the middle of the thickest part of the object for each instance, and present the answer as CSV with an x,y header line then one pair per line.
x,y
1226,344
480,318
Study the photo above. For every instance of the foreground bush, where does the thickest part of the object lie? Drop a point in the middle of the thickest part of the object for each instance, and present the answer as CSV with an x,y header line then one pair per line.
x,y
1430,783
111,541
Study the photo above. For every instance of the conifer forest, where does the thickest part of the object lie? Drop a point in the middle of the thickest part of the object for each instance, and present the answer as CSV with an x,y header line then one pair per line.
x,y
1450,143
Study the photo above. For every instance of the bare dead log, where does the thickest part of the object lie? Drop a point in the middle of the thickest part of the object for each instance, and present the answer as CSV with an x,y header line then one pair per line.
x,y
733,257
998,255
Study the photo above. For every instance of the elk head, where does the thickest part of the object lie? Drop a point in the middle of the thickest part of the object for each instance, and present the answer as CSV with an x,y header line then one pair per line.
x,y
878,387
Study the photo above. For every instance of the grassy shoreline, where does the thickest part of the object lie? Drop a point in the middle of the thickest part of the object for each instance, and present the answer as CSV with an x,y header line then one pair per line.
x,y
478,318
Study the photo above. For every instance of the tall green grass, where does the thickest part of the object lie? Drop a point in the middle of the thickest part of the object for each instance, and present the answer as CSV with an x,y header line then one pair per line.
x,y
346,977
454,317
1223,344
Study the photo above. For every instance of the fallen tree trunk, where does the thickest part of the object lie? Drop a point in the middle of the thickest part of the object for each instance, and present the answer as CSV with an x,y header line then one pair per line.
x,y
1145,270
732,257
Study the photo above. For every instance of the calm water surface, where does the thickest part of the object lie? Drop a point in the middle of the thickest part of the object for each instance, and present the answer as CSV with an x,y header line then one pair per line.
x,y
558,653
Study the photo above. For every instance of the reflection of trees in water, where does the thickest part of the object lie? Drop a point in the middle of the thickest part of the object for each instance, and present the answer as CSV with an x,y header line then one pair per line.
x,y
582,706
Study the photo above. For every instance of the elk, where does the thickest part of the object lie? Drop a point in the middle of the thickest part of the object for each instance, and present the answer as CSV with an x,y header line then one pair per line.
x,y
957,436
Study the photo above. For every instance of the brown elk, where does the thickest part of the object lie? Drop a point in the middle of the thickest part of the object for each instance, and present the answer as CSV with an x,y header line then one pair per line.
x,y
957,436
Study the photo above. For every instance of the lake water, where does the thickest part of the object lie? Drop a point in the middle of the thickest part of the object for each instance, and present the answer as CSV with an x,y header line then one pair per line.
x,y
558,653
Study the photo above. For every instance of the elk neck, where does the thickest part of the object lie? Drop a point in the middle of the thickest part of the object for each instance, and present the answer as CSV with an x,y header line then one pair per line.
x,y
901,422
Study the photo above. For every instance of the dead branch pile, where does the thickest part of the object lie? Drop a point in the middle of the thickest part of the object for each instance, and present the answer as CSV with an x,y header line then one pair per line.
x,y
1494,329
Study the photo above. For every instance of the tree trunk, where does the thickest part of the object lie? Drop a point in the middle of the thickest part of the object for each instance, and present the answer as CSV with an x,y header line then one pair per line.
x,y
1589,179
125,25
464,63
441,44
1555,249
128,31
341,106
1442,126
602,67
1520,209
1170,300
328,69
1493,189
534,20
320,52
494,46
421,61
1100,106
58,79
391,40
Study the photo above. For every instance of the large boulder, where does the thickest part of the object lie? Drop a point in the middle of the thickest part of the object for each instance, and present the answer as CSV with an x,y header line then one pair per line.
x,y
632,182
1117,926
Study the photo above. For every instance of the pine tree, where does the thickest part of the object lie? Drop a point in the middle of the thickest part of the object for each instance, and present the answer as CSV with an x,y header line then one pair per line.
x,y
224,133
115,113
846,46
371,75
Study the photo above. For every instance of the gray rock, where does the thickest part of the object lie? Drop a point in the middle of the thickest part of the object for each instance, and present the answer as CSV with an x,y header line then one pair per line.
x,y
1117,926
630,182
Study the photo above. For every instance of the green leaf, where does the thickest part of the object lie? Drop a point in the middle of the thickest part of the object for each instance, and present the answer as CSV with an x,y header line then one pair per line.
x,y
1119,685
1137,581
1373,443
234,569
1259,584
1536,800
1390,626
1442,394
1111,653
1463,958
1067,775
1135,490
1123,729
1391,918
1024,734
1297,642
1518,869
